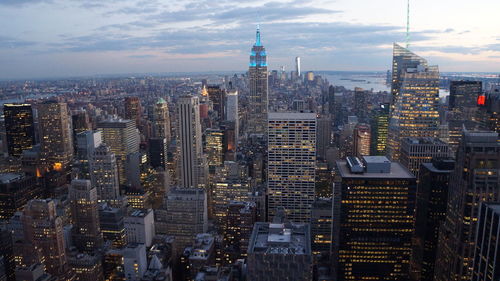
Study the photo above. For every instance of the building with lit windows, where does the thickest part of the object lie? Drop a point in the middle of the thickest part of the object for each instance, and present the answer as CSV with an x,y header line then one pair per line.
x,y
323,136
140,227
111,221
214,149
415,151
161,120
122,137
415,89
217,97
361,139
16,189
241,217
487,247
232,110
133,109
86,234
432,199
379,128
291,164
475,179
86,267
56,138
361,100
375,222
322,226
104,175
258,80
19,128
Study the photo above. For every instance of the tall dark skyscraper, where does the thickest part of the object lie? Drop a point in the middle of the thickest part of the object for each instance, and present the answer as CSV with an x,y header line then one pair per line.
x,y
218,98
258,80
432,195
19,128
476,179
380,126
464,94
376,219
487,247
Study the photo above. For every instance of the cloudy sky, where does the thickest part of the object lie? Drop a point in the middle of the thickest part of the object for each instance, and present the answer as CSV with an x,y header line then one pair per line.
x,y
50,38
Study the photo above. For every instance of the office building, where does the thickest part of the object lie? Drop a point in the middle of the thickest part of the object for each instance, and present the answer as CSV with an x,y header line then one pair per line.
x,y
487,248
185,215
361,100
7,261
463,96
133,109
43,230
475,179
324,136
415,89
34,272
122,137
230,140
379,128
111,221
200,254
291,164
161,121
86,267
415,151
214,149
16,189
375,223
217,96
158,152
322,226
104,175
361,140
190,141
279,251
86,143
241,217
297,66
258,80
86,234
56,138
432,197
140,227
19,128
135,263
232,111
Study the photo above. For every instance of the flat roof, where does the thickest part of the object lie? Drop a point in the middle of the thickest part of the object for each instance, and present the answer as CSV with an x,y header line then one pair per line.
x,y
291,116
397,172
10,177
376,159
494,206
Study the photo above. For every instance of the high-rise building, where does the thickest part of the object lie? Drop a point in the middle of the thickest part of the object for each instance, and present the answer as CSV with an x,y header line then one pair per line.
x,y
375,223
432,195
112,225
361,100
415,89
16,189
214,149
104,175
217,96
190,141
56,138
80,122
158,152
135,263
140,227
415,151
291,164
379,127
232,111
487,247
475,179
464,95
19,128
279,251
258,96
43,230
322,226
161,120
230,140
241,217
297,66
86,143
361,140
7,253
185,215
133,109
86,267
324,136
86,234
122,137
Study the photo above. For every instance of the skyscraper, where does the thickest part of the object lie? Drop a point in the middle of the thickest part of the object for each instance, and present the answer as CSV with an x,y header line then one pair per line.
x,y
190,141
487,248
158,152
16,189
214,148
19,128
104,175
432,195
56,138
297,66
161,120
217,96
475,179
375,224
133,109
258,80
232,110
87,235
291,164
122,137
415,151
361,139
361,100
379,125
324,136
415,89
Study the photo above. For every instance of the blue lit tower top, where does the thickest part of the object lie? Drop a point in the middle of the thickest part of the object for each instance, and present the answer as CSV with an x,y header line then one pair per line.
x,y
258,57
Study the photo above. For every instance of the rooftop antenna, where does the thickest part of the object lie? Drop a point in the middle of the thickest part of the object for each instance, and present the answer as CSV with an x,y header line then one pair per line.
x,y
408,25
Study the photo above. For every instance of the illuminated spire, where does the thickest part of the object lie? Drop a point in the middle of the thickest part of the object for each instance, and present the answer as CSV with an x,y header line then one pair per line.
x,y
204,91
408,25
257,37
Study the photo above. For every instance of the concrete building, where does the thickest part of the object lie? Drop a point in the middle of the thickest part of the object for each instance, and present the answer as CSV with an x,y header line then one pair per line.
x,y
279,252
415,151
135,263
104,175
140,227
16,189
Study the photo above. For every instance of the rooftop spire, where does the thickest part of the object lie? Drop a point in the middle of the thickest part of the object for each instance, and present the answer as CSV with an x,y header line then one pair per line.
x,y
257,36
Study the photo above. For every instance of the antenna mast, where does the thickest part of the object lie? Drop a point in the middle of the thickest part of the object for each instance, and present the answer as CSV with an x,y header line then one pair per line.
x,y
408,25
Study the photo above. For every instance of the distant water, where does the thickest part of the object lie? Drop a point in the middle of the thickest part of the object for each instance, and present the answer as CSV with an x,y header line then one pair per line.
x,y
369,81
21,100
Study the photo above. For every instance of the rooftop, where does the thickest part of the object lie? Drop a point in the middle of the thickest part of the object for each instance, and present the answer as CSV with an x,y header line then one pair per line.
x,y
397,171
280,238
291,116
10,177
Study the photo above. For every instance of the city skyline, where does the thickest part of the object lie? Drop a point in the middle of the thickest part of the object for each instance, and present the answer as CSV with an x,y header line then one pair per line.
x,y
55,39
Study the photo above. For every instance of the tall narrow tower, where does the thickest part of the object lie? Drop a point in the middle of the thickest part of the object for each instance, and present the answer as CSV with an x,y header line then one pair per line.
x,y
258,88
297,66
161,120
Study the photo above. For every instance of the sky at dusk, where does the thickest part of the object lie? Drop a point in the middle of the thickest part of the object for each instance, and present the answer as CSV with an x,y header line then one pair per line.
x,y
57,38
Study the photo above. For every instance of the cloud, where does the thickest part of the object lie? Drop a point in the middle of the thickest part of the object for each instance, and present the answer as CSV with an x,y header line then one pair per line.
x,y
12,43
22,2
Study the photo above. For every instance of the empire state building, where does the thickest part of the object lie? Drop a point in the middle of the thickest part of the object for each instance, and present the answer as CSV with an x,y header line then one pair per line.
x,y
258,80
